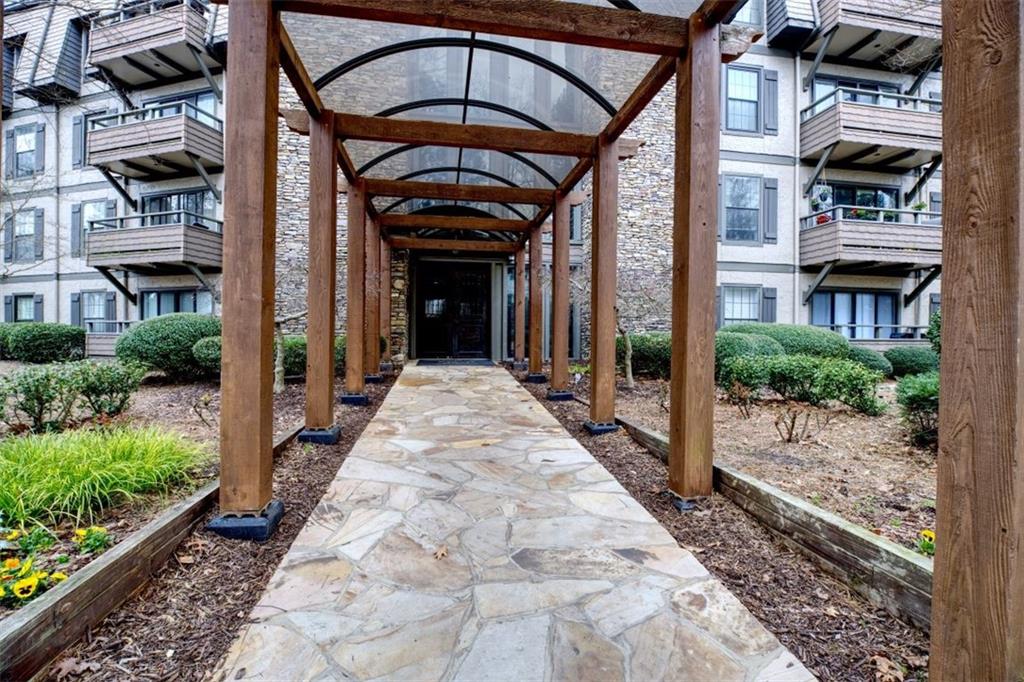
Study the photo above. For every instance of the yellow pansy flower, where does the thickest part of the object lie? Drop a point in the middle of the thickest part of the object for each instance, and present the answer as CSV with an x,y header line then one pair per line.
x,y
26,587
25,568
11,564
79,534
58,576
3,592
97,529
13,535
928,535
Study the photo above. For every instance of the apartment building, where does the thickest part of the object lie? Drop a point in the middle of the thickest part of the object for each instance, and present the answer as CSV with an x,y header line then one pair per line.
x,y
830,167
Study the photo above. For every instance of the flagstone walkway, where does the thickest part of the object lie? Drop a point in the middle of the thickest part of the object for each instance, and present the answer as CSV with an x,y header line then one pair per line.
x,y
469,537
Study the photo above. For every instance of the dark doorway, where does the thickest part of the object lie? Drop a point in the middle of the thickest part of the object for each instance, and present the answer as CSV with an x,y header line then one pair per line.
x,y
453,309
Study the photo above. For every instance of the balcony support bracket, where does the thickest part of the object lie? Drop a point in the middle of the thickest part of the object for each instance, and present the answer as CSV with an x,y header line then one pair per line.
x,y
206,73
205,176
820,166
207,284
119,285
825,271
822,51
121,189
923,180
919,289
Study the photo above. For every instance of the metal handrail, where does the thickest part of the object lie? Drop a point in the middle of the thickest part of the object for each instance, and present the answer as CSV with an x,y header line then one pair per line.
x,y
915,103
871,214
141,9
107,326
888,331
154,112
156,219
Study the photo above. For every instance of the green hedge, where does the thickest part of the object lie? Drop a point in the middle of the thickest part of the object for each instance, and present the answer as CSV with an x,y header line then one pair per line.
x,y
798,339
652,354
165,343
871,359
207,354
5,334
730,345
934,332
912,360
41,342
918,398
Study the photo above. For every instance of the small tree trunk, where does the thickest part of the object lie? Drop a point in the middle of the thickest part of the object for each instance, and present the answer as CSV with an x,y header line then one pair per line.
x,y
627,355
278,358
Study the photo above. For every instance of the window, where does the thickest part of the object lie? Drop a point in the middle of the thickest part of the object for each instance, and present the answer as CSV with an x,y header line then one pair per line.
x,y
576,222
750,13
93,210
204,108
24,236
190,208
742,100
866,196
741,304
94,306
854,90
856,314
25,308
742,204
24,151
162,302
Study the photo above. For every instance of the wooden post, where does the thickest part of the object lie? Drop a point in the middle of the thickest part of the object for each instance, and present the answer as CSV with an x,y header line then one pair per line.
x,y
978,597
385,303
355,291
604,234
536,364
519,352
247,299
692,389
322,282
371,345
560,300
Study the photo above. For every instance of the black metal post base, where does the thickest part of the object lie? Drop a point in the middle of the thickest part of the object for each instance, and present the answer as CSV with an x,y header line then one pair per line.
x,y
327,436
373,379
536,378
554,395
519,365
387,368
600,428
357,399
258,528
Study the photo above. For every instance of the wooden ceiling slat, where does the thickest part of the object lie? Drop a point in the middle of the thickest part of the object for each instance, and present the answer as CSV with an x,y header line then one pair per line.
x,y
418,244
418,221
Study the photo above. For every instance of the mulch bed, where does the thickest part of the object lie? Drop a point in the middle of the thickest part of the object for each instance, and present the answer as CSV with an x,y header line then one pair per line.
x,y
831,629
183,622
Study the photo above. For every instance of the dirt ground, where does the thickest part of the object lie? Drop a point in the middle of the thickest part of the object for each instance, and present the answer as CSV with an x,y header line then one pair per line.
x,y
831,629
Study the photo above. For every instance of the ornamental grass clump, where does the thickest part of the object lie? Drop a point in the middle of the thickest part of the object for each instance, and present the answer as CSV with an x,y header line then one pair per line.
x,y
75,475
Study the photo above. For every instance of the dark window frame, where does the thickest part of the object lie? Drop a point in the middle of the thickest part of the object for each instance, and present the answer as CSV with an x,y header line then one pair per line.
x,y
895,326
757,131
759,238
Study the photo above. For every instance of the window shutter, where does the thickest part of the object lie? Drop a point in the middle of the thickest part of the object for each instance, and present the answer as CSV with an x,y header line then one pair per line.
x,y
38,300
77,141
718,307
10,153
76,309
40,148
111,208
768,304
76,230
721,209
9,238
8,309
770,119
39,234
935,202
770,210
110,312
934,303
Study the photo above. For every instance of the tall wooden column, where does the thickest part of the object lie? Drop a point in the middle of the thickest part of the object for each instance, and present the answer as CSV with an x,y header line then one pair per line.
x,y
978,596
519,350
371,344
355,279
320,315
604,234
536,364
247,298
560,301
692,389
385,301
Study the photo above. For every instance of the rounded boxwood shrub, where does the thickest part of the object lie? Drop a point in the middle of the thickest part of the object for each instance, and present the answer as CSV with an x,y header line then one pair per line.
x,y
798,339
912,360
41,342
207,352
165,343
918,398
871,359
730,345
5,334
934,333
652,354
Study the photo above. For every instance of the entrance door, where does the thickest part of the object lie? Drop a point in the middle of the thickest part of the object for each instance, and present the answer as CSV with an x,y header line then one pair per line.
x,y
453,310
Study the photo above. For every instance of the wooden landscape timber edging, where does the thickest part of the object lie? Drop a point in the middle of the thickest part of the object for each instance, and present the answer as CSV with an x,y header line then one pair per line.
x,y
36,634
886,574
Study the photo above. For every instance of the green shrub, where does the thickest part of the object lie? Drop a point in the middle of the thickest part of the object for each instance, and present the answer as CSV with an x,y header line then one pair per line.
x,y
295,356
798,339
42,342
107,387
39,398
165,343
5,335
850,383
744,377
794,377
729,345
50,478
871,359
912,360
934,332
652,354
918,398
206,353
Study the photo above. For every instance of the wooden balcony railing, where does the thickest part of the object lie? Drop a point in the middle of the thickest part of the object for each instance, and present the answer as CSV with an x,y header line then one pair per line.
x,y
159,243
858,234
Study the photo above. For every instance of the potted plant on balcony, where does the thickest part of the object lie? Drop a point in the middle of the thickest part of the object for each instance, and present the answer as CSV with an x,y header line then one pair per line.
x,y
822,218
919,206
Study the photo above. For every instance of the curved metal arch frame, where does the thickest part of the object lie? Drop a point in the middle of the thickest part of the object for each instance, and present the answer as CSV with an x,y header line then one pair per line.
x,y
395,204
409,147
456,169
459,102
505,236
510,50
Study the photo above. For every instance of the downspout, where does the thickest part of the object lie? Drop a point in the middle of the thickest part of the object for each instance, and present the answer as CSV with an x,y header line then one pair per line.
x,y
797,194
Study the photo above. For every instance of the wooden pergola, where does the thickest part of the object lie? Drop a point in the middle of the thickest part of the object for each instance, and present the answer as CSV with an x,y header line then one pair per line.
x,y
978,630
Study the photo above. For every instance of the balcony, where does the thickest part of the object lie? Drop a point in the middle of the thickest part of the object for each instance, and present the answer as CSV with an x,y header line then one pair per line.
x,y
157,142
866,130
151,43
101,337
882,241
880,337
170,242
899,35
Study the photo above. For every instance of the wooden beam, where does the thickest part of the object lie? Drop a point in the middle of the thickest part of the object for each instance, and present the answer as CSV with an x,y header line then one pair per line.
x,y
385,299
978,595
519,348
458,192
602,288
293,67
550,20
418,221
371,301
418,244
737,40
714,12
560,309
536,359
247,300
692,386
322,277
355,278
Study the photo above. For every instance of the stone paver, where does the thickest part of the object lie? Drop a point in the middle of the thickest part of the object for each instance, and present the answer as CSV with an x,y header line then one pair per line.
x,y
469,537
